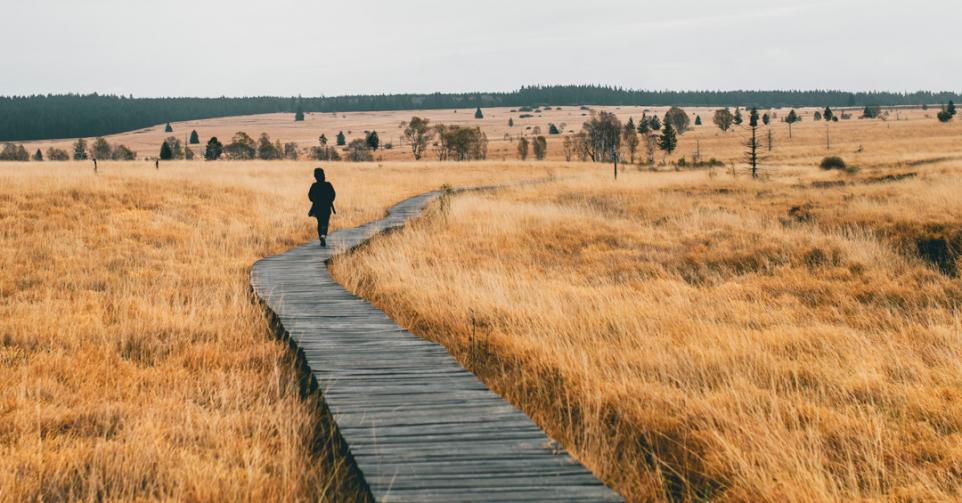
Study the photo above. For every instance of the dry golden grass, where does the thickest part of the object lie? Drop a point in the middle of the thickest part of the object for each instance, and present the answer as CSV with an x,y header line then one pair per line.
x,y
905,128
693,335
133,363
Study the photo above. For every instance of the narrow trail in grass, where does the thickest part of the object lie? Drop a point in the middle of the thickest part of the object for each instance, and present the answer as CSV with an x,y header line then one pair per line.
x,y
418,426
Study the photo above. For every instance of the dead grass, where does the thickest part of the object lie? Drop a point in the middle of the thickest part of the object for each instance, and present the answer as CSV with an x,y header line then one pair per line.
x,y
908,137
133,363
694,336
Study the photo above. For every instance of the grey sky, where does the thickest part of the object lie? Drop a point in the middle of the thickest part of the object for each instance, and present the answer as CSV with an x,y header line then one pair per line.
x,y
287,47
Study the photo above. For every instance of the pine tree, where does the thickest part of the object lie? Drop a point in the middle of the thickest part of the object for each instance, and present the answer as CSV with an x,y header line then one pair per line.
x,y
38,155
766,119
552,129
168,128
299,115
738,117
669,139
478,114
165,152
194,139
792,118
655,124
644,125
828,114
510,122
698,120
372,140
631,123
753,142
950,108
340,139
322,140
214,149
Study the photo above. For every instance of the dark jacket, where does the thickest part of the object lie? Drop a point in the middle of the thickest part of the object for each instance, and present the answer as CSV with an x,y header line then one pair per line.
x,y
322,198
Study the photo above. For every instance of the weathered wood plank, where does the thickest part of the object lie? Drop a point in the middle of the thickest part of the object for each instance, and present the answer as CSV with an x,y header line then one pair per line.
x,y
419,426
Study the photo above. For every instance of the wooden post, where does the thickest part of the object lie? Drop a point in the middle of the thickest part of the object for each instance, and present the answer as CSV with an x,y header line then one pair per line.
x,y
614,157
157,164
95,165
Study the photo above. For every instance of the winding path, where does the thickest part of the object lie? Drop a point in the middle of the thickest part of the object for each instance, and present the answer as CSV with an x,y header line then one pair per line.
x,y
419,427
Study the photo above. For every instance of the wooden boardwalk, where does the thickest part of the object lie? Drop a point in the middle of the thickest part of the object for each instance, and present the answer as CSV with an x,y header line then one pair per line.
x,y
418,426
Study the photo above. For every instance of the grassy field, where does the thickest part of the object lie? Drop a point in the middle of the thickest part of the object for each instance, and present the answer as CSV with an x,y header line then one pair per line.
x,y
133,362
808,137
689,334
703,335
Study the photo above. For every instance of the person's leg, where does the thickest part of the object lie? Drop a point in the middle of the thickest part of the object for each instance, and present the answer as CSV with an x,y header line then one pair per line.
x,y
323,220
321,230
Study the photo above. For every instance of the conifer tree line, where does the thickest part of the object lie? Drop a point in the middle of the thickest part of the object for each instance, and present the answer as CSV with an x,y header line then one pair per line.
x,y
40,117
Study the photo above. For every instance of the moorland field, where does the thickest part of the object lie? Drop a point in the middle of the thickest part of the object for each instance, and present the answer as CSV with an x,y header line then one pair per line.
x,y
133,362
502,138
687,333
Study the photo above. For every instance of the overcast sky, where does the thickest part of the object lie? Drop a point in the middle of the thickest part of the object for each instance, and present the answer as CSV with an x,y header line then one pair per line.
x,y
319,47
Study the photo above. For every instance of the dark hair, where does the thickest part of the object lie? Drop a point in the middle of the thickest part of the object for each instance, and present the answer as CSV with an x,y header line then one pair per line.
x,y
319,174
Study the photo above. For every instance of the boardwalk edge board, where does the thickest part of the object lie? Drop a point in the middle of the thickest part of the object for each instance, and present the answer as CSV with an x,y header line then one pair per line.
x,y
415,424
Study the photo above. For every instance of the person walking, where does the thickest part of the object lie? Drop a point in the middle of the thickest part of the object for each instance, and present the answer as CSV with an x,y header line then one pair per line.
x,y
322,203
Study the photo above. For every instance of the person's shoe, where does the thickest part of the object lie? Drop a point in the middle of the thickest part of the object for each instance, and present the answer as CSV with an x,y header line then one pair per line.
x,y
324,241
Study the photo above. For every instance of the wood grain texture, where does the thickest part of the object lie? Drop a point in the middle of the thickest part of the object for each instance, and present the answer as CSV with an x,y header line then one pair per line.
x,y
418,425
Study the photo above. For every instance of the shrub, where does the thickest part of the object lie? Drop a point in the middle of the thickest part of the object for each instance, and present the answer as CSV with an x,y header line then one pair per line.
x,y
100,149
359,151
13,152
57,154
833,162
123,153
540,147
214,149
678,119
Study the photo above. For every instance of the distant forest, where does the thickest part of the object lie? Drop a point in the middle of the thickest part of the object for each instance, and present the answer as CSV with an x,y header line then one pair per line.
x,y
73,115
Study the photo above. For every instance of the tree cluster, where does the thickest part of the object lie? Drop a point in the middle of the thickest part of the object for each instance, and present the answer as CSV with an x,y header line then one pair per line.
x,y
458,143
73,115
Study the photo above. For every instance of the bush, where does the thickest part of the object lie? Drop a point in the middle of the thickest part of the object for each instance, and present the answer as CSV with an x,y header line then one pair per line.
x,y
359,151
123,153
13,152
57,154
833,162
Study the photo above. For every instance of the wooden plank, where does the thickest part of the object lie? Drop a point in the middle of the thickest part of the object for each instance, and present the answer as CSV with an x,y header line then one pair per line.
x,y
419,426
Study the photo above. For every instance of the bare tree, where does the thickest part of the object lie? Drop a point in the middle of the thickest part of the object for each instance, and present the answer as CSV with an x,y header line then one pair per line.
x,y
568,147
540,145
603,132
522,148
418,133
629,138
723,119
